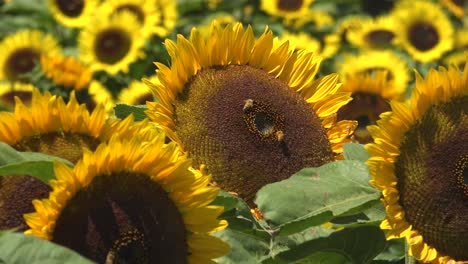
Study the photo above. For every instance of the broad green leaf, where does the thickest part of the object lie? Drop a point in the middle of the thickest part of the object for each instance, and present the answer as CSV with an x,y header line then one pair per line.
x,y
244,249
20,248
324,257
124,110
353,151
360,245
35,164
316,195
372,213
394,250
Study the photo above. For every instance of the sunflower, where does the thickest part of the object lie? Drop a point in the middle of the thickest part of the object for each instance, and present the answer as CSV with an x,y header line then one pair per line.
x,y
8,91
73,13
325,45
145,11
461,39
457,58
66,71
424,30
373,33
419,160
51,127
221,18
22,50
456,6
374,60
288,9
168,18
249,109
319,19
137,93
132,200
371,94
111,43
99,94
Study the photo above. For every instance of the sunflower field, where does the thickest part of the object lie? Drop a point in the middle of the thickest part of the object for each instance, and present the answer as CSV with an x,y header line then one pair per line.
x,y
234,131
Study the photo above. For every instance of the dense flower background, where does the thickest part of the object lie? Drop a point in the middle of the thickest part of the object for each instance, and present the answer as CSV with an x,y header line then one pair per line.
x,y
247,131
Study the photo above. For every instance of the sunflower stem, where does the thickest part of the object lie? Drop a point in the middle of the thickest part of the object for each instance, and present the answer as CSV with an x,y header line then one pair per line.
x,y
409,259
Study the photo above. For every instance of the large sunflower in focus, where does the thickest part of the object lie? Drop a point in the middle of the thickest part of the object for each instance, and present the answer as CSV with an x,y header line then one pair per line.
x,y
51,127
145,11
132,201
73,13
425,31
371,92
22,50
373,33
287,9
168,17
111,43
420,161
371,61
249,109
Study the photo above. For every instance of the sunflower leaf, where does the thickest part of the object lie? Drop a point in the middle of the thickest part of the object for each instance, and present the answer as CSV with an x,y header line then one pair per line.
x,y
20,248
356,245
35,164
314,196
124,110
354,151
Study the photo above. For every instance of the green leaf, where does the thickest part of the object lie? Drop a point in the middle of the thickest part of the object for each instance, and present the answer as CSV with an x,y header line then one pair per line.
x,y
20,248
124,110
316,195
353,151
324,257
39,165
394,250
244,249
358,245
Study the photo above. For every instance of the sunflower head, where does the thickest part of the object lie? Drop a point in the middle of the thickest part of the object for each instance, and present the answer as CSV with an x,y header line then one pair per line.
x,y
457,58
66,71
22,50
419,161
371,93
8,92
373,33
145,12
287,9
72,13
249,109
168,17
132,200
137,93
111,43
425,31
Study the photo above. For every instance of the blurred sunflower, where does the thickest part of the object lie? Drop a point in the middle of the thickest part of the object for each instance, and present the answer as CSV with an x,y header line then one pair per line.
x,y
8,91
168,17
73,13
288,9
51,127
457,58
461,39
419,160
371,93
22,50
319,19
249,109
132,202
424,30
221,18
137,93
456,6
99,94
325,45
66,71
375,60
111,43
373,33
144,10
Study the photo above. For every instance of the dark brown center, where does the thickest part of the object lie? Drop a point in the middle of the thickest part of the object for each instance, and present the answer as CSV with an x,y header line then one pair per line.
x,y
380,37
60,144
134,9
144,98
123,218
366,109
289,5
112,45
375,8
431,172
16,194
20,62
249,128
423,36
71,8
8,99
460,3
